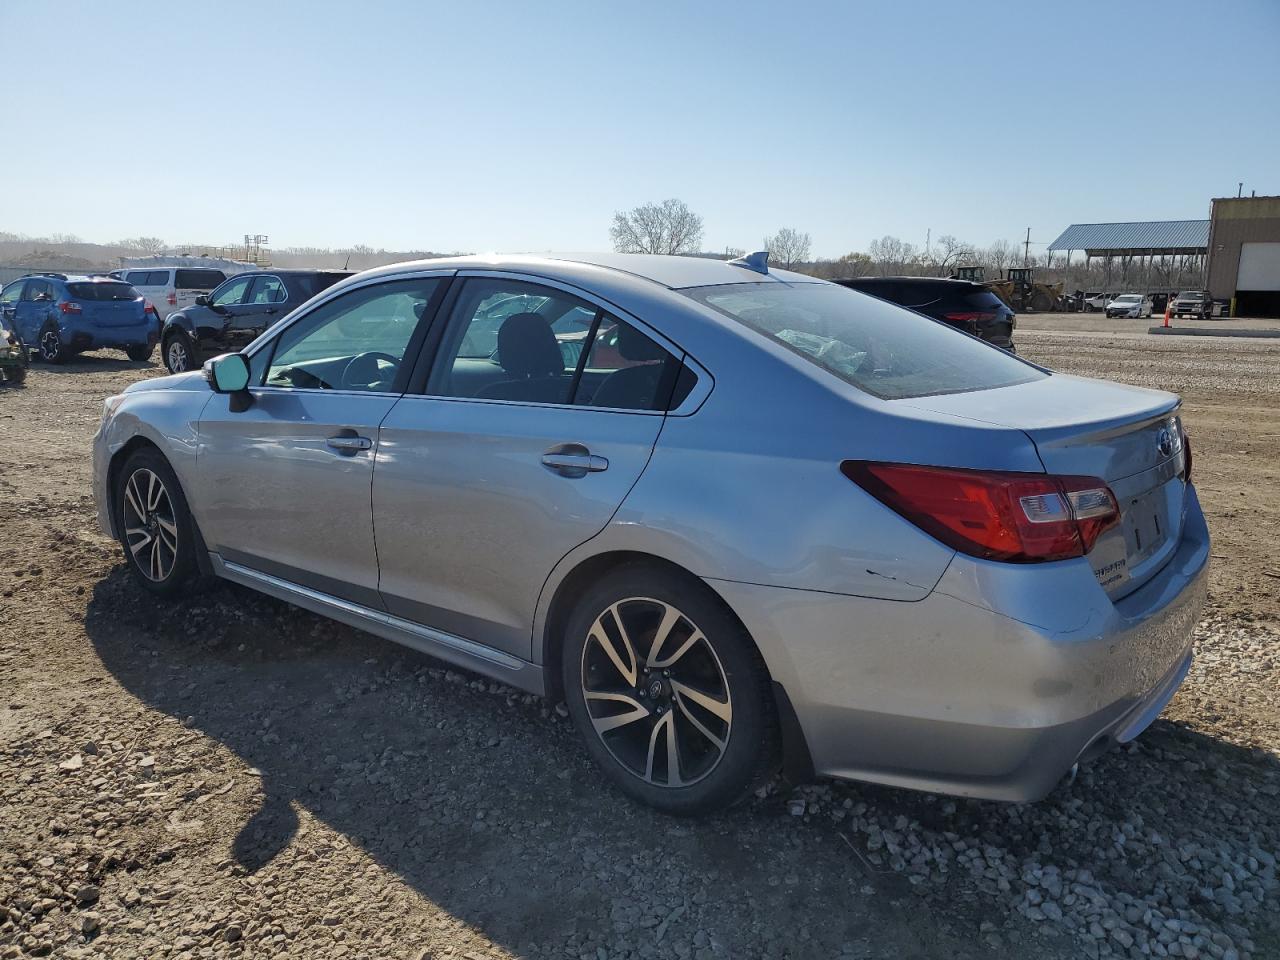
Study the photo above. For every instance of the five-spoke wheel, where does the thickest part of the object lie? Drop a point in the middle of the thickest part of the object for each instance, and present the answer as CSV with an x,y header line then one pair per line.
x,y
153,523
668,690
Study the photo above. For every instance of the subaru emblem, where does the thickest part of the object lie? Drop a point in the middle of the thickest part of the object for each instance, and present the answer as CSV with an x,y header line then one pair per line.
x,y
1164,442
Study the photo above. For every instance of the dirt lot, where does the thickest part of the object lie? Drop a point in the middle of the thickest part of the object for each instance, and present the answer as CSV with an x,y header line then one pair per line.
x,y
228,776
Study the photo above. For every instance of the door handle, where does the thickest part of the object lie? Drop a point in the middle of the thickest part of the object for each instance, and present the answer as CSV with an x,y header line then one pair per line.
x,y
349,444
573,460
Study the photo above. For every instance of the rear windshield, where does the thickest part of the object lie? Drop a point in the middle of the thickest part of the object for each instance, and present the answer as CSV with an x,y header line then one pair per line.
x,y
198,279
985,300
105,290
889,352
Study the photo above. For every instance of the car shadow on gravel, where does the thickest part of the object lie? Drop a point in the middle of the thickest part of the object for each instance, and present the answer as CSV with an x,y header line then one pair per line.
x,y
481,799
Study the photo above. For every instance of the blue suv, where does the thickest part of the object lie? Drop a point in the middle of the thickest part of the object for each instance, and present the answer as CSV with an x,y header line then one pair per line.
x,y
56,315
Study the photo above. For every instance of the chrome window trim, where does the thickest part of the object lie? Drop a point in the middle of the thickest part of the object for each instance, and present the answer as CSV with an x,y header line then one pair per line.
x,y
534,403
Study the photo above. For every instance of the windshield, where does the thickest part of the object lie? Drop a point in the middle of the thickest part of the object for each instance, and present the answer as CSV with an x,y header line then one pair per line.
x,y
876,346
1128,298
1193,295
102,290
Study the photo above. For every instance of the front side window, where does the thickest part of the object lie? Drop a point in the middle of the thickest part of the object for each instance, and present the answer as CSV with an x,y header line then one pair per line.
x,y
38,290
266,290
10,293
230,293
877,347
197,279
356,341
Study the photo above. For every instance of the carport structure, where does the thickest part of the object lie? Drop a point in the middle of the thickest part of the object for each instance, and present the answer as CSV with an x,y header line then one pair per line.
x,y
1148,239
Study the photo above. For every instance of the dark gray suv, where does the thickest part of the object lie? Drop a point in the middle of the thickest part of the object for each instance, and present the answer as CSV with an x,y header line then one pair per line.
x,y
236,312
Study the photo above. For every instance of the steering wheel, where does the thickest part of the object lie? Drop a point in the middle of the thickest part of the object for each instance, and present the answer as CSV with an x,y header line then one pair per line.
x,y
362,370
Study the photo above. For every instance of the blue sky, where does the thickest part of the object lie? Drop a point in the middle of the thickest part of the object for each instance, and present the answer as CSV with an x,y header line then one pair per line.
x,y
524,126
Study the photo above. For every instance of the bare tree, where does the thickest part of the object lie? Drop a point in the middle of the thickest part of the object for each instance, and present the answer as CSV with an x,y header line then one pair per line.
x,y
668,227
946,252
1000,255
891,255
788,247
151,245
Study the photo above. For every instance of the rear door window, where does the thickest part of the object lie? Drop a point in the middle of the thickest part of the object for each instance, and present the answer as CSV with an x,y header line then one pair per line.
x,y
875,346
38,290
139,277
158,278
625,370
266,290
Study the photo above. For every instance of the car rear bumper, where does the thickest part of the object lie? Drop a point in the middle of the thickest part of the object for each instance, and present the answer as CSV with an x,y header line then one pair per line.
x,y
944,694
90,338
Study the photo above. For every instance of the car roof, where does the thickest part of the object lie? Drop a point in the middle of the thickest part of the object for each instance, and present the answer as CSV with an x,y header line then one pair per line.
x,y
672,272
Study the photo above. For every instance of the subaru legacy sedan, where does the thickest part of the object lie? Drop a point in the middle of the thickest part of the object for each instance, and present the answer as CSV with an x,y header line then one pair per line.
x,y
750,518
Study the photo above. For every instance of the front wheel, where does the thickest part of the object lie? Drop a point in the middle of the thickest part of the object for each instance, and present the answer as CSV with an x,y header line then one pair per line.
x,y
154,523
139,352
668,691
179,353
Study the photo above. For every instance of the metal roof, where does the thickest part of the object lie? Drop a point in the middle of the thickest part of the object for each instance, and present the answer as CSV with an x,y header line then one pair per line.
x,y
1150,235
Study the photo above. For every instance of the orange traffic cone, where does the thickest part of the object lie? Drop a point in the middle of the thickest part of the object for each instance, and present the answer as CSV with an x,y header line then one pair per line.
x,y
1167,308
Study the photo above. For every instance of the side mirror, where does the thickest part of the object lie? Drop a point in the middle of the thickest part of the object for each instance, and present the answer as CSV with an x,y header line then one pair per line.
x,y
228,373
202,300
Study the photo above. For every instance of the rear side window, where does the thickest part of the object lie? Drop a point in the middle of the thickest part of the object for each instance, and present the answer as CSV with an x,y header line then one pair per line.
x,y
266,290
311,284
875,346
158,278
198,279
113,290
141,277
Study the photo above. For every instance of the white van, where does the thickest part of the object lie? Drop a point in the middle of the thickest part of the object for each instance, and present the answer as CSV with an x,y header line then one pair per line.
x,y
171,288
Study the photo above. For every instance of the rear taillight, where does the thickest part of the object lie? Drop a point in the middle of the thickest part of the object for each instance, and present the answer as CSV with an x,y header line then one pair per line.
x,y
969,317
69,306
1186,457
172,298
148,308
996,515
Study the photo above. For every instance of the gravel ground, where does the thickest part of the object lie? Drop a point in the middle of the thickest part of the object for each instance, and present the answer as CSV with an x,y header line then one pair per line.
x,y
229,776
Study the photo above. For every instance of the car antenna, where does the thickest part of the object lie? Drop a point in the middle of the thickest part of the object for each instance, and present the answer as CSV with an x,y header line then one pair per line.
x,y
758,261
347,263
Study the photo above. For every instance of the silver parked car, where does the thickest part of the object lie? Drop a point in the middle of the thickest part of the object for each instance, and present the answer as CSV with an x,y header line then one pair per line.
x,y
731,515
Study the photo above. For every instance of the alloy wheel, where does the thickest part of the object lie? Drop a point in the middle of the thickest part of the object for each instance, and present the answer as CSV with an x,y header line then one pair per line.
x,y
150,525
50,345
656,692
177,356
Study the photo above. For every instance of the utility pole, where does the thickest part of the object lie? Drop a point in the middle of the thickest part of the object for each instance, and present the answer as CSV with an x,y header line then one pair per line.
x,y
1026,249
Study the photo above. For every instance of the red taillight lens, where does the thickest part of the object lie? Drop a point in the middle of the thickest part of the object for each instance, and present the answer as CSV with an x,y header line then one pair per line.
x,y
969,317
172,298
1014,517
69,306
148,308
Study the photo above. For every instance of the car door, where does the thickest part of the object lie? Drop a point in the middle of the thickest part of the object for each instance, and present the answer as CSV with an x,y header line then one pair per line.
x,y
486,478
282,485
211,322
263,304
35,307
9,298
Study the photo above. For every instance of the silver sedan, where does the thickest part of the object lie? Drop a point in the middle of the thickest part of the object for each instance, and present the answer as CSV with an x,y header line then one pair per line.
x,y
734,517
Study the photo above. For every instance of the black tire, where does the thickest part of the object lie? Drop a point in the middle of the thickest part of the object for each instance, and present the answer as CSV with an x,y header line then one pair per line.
x,y
179,352
177,564
724,668
49,345
16,375
140,352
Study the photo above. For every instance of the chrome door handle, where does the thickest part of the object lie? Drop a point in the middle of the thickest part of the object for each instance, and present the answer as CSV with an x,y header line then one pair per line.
x,y
349,444
573,460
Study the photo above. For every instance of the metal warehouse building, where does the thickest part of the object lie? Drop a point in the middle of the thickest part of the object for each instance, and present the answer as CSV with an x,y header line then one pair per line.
x,y
1244,254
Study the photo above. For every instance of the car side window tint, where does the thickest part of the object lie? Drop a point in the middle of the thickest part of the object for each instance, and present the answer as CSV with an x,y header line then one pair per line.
x,y
357,341
626,370
158,278
11,292
266,290
38,290
137,278
511,340
230,293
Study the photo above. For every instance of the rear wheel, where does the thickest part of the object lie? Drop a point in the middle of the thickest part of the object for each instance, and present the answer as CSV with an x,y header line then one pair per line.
x,y
1041,303
140,352
178,352
668,691
50,346
155,524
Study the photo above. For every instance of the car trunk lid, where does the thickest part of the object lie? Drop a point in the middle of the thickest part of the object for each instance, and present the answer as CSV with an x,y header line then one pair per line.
x,y
1127,436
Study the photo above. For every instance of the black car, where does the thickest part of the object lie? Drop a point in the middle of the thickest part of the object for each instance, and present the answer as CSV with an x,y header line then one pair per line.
x,y
968,306
238,309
